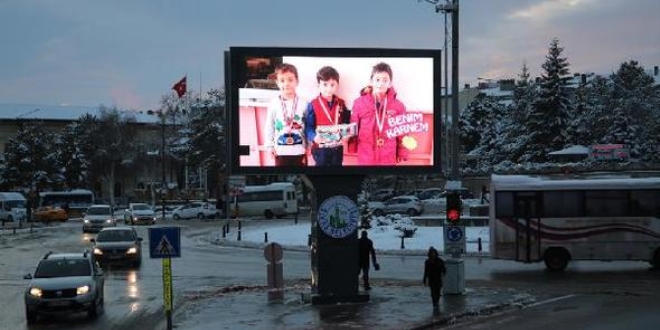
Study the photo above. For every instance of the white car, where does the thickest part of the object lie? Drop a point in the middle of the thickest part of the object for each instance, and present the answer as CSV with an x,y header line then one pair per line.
x,y
97,217
199,210
139,213
409,205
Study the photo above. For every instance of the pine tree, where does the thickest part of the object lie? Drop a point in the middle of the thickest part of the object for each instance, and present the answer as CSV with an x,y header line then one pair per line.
x,y
72,161
548,121
515,135
634,113
29,162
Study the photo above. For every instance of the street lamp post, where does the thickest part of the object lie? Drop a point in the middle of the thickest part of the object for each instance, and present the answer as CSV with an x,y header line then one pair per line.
x,y
162,164
451,7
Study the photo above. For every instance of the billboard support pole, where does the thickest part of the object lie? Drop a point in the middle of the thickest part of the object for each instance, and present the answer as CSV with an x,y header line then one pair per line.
x,y
334,243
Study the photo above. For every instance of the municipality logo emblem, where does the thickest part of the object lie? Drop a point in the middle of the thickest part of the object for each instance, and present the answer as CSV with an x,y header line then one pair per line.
x,y
338,216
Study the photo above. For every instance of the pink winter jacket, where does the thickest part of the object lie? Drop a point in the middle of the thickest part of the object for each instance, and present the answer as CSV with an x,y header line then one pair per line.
x,y
364,114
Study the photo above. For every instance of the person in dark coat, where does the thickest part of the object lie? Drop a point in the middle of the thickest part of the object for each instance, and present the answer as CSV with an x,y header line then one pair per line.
x,y
434,271
366,250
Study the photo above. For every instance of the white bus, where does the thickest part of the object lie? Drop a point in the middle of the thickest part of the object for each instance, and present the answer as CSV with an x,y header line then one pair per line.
x,y
558,220
12,207
277,199
77,200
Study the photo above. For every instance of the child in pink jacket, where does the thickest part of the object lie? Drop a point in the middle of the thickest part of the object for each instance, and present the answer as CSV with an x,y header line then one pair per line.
x,y
371,111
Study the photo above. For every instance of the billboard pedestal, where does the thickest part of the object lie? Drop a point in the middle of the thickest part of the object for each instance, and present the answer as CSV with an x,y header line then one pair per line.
x,y
334,244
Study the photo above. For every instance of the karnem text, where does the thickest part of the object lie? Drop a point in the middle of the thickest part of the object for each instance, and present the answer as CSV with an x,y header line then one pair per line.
x,y
406,124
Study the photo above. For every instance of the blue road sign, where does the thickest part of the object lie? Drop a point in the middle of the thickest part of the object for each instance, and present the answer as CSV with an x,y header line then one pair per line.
x,y
165,242
454,234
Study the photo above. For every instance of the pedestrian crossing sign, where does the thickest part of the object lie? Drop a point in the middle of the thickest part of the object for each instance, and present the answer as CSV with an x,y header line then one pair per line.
x,y
165,242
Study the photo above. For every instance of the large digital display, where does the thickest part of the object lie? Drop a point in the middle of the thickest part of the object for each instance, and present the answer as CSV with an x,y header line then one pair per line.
x,y
333,110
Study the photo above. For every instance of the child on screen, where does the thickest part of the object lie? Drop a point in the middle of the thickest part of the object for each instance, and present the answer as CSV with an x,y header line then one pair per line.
x,y
324,117
284,120
371,111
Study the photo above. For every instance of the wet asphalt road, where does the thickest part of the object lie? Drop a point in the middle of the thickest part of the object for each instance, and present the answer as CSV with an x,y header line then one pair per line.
x,y
133,297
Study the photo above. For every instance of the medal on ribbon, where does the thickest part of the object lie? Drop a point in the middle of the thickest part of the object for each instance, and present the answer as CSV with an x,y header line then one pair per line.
x,y
380,122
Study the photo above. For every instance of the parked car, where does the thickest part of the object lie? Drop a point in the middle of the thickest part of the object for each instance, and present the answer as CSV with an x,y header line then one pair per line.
x,y
64,283
409,205
199,210
382,194
139,213
431,193
118,245
97,217
50,213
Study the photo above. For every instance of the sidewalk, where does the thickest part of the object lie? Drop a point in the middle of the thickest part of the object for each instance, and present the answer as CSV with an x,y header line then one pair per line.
x,y
394,304
391,306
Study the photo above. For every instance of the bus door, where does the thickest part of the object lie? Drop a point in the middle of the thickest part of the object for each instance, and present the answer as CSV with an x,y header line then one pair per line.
x,y
527,215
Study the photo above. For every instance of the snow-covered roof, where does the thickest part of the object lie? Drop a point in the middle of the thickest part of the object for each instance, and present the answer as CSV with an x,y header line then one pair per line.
x,y
574,150
63,112
529,183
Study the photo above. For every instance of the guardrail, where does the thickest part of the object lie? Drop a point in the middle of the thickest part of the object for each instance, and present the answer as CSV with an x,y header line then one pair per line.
x,y
437,220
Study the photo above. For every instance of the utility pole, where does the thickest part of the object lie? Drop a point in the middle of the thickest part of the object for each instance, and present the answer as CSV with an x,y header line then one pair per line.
x,y
451,7
454,90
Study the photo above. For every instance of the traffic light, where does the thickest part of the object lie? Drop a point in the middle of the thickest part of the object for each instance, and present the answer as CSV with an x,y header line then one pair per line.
x,y
454,206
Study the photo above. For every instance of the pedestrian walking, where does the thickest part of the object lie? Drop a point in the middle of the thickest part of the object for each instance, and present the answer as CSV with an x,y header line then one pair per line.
x,y
365,251
434,271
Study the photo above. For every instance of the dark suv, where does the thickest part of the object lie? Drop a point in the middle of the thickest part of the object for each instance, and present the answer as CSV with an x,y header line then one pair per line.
x,y
64,283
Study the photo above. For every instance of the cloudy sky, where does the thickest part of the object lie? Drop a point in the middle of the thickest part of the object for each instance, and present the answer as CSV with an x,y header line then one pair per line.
x,y
129,53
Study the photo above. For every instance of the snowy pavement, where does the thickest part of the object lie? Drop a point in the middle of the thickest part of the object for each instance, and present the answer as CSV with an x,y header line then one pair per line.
x,y
394,304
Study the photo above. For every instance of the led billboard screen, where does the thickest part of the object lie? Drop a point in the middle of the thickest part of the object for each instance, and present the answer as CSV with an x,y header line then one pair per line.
x,y
333,110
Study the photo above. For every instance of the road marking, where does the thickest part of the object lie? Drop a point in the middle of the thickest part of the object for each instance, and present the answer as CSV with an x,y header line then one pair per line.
x,y
551,300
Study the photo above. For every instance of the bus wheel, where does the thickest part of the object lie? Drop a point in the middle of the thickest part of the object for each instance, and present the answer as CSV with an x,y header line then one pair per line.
x,y
269,214
556,259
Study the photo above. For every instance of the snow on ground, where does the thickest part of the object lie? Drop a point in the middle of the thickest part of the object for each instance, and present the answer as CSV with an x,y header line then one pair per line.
x,y
385,238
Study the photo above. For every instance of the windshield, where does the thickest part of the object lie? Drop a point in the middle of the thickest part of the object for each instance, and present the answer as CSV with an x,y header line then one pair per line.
x,y
115,236
141,207
15,204
62,268
98,211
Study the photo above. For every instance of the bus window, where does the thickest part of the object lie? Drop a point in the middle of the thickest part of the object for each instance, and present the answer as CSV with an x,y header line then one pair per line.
x,y
504,208
606,203
645,203
562,204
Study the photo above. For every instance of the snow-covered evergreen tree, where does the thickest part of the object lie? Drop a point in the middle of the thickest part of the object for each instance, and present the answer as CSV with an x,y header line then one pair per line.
x,y
548,121
73,148
592,115
29,160
480,130
634,114
514,135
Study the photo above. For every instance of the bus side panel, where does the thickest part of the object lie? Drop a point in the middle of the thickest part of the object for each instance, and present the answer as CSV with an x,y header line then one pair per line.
x,y
603,238
502,239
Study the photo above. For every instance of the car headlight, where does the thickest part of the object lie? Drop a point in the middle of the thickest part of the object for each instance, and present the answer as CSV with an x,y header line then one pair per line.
x,y
109,220
82,289
86,220
98,251
36,292
132,250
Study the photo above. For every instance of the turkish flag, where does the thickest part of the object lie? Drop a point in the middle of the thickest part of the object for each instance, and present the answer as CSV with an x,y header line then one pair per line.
x,y
180,87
